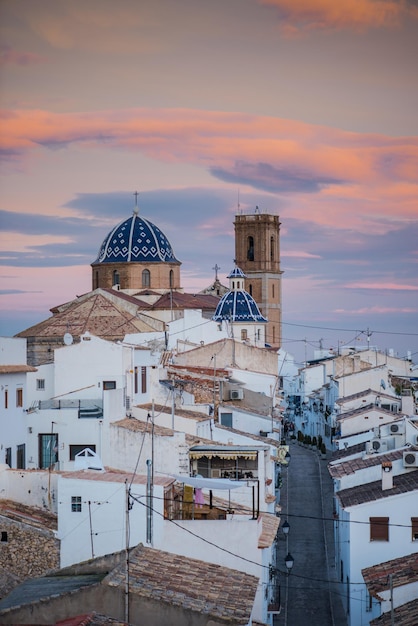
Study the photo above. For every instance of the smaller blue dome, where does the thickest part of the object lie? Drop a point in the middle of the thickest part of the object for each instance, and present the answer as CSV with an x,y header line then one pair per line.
x,y
238,306
236,273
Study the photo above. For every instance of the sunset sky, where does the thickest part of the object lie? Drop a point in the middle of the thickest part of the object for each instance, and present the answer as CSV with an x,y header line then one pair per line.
x,y
305,108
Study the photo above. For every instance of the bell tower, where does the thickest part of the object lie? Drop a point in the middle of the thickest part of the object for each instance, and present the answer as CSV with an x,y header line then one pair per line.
x,y
257,253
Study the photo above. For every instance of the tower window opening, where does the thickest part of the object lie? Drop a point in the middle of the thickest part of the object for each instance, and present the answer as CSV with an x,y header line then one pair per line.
x,y
271,248
272,290
250,250
146,278
116,280
171,279
250,290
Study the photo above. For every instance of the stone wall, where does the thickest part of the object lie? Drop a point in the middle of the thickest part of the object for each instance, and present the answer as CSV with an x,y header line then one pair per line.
x,y
25,552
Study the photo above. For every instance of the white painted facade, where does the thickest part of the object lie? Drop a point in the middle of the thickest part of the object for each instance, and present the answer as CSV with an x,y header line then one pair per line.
x,y
355,551
13,401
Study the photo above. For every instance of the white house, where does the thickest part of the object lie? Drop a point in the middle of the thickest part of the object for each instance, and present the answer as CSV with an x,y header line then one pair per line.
x,y
374,523
13,385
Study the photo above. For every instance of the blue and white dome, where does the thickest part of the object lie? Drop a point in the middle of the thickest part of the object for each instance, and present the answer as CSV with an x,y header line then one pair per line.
x,y
136,240
237,305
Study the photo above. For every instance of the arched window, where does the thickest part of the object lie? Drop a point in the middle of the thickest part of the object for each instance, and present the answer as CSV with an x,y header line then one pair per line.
x,y
146,278
272,290
171,279
271,248
116,280
250,250
96,279
250,290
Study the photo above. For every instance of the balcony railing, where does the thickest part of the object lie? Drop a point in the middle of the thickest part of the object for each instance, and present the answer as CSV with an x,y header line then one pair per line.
x,y
86,408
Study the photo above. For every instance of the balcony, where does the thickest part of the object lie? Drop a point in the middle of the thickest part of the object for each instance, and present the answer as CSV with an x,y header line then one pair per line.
x,y
86,408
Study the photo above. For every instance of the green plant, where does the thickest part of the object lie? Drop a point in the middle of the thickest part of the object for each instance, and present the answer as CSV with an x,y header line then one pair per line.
x,y
319,442
314,442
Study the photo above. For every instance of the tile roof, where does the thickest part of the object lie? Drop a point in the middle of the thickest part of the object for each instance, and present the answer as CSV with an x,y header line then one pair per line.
x,y
159,408
195,585
37,589
339,454
269,527
178,300
96,313
404,615
373,491
404,571
16,369
366,409
33,516
337,469
117,476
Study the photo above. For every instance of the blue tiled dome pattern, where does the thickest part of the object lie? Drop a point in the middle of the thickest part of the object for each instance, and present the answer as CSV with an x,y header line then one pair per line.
x,y
138,240
238,306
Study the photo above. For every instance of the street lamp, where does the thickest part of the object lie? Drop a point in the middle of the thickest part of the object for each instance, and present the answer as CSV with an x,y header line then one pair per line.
x,y
289,560
286,528
287,457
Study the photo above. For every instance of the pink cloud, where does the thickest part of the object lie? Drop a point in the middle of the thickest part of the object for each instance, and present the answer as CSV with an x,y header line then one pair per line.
x,y
380,286
298,16
376,310
8,56
325,172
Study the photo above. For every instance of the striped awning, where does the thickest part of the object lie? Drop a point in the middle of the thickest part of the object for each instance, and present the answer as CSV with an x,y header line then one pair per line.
x,y
227,454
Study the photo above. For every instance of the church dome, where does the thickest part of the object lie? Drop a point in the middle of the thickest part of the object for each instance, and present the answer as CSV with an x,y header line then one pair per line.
x,y
136,240
237,305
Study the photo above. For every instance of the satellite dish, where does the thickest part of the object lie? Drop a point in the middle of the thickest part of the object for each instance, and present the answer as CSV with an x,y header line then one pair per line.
x,y
68,339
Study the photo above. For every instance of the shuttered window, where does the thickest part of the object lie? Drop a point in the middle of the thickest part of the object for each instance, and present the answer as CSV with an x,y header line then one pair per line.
x,y
414,524
379,529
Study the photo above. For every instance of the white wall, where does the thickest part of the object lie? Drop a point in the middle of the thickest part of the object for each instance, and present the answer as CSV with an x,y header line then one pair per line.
x,y
365,553
37,489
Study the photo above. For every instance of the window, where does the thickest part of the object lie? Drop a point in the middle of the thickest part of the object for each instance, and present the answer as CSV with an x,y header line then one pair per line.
x,y
78,447
136,380
250,290
109,384
273,330
40,384
379,529
369,603
226,419
48,450
96,280
6,399
19,397
8,457
21,456
250,249
171,279
243,334
3,537
116,280
143,379
414,524
76,504
271,248
146,278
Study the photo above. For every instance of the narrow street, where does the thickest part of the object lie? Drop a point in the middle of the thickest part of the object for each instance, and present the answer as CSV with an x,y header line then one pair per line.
x,y
310,593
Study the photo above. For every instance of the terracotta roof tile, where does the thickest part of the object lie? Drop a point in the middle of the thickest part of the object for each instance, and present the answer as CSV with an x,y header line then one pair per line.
x,y
33,516
199,586
16,369
404,615
269,527
117,476
373,491
350,466
404,571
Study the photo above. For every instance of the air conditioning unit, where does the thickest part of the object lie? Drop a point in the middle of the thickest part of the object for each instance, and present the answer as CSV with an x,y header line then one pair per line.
x,y
410,459
236,394
396,429
378,445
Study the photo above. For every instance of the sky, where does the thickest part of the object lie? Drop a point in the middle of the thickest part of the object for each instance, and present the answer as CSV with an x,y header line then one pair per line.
x,y
304,108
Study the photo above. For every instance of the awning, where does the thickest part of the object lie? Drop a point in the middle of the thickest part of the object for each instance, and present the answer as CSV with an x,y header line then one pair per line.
x,y
209,483
206,454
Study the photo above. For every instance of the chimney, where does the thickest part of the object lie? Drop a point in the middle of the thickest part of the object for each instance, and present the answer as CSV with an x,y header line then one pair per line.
x,y
387,476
